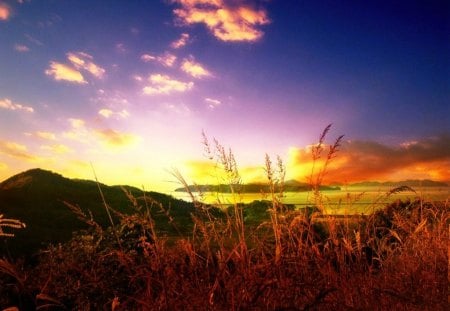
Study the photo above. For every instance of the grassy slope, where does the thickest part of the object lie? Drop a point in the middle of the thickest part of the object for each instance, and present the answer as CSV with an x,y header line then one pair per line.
x,y
37,197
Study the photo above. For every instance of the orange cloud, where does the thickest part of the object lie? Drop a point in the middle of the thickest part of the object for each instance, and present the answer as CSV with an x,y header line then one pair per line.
x,y
368,160
194,69
163,84
114,138
16,150
84,61
80,61
5,11
46,135
227,23
7,104
182,41
61,72
58,148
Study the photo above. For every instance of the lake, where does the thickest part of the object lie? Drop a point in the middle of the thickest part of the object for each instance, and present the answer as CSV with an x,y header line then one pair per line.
x,y
350,200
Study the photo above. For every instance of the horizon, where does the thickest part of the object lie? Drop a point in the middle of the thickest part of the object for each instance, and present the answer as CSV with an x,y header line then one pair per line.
x,y
128,88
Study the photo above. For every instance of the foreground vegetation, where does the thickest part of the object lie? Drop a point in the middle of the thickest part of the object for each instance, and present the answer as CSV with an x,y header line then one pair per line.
x,y
263,256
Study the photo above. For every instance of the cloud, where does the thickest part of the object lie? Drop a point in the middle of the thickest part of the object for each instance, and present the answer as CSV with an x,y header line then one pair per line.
x,y
79,61
84,61
7,104
21,48
33,40
61,72
5,11
368,160
76,123
194,69
182,41
57,148
108,113
16,150
226,22
120,47
45,135
212,103
167,59
163,84
112,138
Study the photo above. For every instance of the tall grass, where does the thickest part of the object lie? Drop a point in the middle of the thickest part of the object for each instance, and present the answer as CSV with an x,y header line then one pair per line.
x,y
393,259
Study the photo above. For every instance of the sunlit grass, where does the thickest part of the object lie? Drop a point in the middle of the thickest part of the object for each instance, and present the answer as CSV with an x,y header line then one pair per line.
x,y
265,256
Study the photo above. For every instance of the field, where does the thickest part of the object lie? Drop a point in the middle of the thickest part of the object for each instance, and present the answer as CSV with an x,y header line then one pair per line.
x,y
264,255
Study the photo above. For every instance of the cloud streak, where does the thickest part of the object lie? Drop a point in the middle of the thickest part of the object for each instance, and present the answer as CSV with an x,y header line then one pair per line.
x,y
226,22
7,104
182,41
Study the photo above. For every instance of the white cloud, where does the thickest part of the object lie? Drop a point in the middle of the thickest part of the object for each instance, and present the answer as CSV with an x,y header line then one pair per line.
x,y
182,41
194,69
21,48
7,104
212,103
147,58
163,84
108,113
167,59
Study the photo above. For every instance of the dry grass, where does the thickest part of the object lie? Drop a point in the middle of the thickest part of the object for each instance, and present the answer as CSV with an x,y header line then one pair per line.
x,y
394,259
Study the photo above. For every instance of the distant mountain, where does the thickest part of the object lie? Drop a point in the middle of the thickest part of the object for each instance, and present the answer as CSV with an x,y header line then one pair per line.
x,y
410,183
37,197
289,186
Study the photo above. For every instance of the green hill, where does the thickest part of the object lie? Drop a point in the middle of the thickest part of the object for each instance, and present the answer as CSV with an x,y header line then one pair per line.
x,y
37,198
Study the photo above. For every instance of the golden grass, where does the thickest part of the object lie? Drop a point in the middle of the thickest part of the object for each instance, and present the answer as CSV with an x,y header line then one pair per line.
x,y
394,259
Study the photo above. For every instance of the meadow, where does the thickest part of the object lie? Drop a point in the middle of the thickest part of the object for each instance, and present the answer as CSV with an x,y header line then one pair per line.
x,y
265,255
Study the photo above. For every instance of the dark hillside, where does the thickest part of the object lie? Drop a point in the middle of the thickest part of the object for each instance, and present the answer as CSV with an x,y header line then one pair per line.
x,y
37,198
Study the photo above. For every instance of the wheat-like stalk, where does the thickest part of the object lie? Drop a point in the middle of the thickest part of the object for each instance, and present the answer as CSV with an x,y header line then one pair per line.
x,y
9,223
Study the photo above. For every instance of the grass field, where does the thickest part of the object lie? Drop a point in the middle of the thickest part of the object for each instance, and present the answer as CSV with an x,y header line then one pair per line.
x,y
262,256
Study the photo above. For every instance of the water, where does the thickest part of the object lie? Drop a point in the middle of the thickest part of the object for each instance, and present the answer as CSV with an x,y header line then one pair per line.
x,y
351,200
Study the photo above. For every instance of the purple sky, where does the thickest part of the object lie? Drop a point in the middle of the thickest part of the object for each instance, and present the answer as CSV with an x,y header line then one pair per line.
x,y
129,86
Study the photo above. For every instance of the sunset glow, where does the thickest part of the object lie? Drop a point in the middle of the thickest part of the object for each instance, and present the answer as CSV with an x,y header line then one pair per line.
x,y
128,88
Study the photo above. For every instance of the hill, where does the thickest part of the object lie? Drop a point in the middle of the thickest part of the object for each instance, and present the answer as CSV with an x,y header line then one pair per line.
x,y
414,183
37,198
289,186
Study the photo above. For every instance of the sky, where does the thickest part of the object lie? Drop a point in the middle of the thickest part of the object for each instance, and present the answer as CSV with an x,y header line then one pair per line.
x,y
126,88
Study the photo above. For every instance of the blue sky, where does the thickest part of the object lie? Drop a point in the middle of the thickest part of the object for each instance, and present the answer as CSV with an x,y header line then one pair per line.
x,y
129,86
